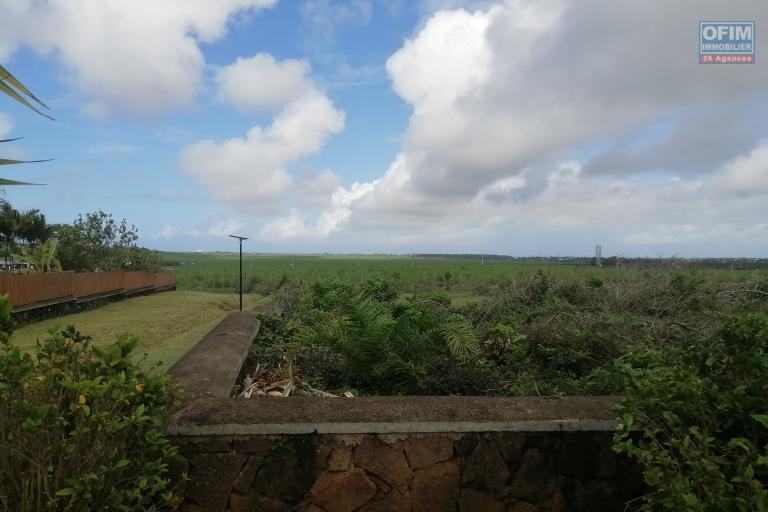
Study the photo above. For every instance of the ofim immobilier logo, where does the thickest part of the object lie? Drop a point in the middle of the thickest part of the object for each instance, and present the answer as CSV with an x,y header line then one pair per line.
x,y
726,42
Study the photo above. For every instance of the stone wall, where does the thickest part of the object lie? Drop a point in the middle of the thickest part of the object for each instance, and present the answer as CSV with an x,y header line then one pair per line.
x,y
493,472
375,454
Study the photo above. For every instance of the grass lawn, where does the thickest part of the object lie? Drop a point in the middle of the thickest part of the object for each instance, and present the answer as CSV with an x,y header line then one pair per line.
x,y
168,323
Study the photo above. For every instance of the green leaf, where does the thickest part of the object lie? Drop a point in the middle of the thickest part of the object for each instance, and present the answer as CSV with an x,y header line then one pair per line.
x,y
7,161
762,418
7,78
67,491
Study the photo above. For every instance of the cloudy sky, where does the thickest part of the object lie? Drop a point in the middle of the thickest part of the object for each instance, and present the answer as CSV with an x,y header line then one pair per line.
x,y
524,127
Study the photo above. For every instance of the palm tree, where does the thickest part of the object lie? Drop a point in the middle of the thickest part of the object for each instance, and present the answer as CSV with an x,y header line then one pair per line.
x,y
43,256
28,226
16,90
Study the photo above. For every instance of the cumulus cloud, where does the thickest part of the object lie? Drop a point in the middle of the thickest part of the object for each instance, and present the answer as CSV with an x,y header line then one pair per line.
x,y
139,57
746,175
299,225
260,82
549,120
253,171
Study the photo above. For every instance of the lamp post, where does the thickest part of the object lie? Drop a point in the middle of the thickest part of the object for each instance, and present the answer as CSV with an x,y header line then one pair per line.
x,y
241,238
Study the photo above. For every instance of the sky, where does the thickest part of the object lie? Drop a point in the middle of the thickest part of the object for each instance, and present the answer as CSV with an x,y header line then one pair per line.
x,y
521,127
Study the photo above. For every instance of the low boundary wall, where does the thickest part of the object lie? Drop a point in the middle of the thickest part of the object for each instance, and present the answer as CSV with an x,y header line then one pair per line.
x,y
373,454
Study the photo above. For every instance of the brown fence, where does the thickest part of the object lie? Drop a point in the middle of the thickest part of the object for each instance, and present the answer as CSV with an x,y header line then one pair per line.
x,y
53,287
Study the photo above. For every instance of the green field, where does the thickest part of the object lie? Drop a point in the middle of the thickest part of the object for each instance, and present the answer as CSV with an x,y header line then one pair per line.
x,y
168,324
462,277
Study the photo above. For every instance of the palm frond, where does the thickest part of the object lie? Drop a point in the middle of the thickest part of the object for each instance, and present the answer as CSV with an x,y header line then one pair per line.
x,y
459,337
7,161
4,182
11,86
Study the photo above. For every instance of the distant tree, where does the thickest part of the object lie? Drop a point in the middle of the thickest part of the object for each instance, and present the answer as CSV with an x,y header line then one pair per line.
x,y
95,241
16,227
43,256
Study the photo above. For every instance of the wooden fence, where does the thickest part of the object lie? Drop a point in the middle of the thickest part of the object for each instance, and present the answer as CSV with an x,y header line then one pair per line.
x,y
27,291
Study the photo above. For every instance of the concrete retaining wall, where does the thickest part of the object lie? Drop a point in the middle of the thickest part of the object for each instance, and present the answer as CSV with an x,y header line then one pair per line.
x,y
374,454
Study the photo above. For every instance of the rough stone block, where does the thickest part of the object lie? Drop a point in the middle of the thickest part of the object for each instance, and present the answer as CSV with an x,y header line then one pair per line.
x,y
386,462
342,491
266,504
473,501
289,470
392,502
485,468
427,451
436,488
534,480
241,502
466,444
587,455
252,445
339,460
522,506
511,446
211,477
245,479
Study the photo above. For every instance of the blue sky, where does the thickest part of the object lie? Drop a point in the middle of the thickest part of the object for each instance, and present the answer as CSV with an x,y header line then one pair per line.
x,y
393,126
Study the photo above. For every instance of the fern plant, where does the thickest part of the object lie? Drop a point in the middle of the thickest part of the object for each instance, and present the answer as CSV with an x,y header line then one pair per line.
x,y
387,347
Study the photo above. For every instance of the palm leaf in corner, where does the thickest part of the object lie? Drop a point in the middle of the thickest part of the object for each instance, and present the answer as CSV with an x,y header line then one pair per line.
x,y
11,86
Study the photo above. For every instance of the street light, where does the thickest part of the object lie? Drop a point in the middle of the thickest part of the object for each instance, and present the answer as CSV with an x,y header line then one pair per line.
x,y
241,238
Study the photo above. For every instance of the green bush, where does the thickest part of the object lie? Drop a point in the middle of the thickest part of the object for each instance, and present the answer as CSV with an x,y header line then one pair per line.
x,y
703,413
81,428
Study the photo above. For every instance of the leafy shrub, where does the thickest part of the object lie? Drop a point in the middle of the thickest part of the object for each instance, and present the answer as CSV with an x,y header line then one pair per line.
x,y
702,409
81,428
380,290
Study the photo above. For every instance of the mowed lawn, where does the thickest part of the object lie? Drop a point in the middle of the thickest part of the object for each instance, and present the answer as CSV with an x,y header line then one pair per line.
x,y
168,323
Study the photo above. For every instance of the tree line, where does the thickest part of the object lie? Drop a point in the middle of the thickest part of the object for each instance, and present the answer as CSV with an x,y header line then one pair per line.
x,y
92,242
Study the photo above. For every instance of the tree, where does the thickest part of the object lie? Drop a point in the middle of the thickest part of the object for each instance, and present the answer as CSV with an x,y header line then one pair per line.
x,y
96,242
43,256
28,226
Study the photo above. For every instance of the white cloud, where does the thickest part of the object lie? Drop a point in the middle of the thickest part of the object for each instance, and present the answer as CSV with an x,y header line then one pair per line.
x,y
298,225
261,82
252,171
503,97
221,228
748,174
5,125
139,57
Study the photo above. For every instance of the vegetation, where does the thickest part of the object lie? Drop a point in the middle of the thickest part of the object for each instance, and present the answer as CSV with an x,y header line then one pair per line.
x,y
12,87
687,348
81,427
17,227
94,241
470,277
703,410
546,333
170,323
